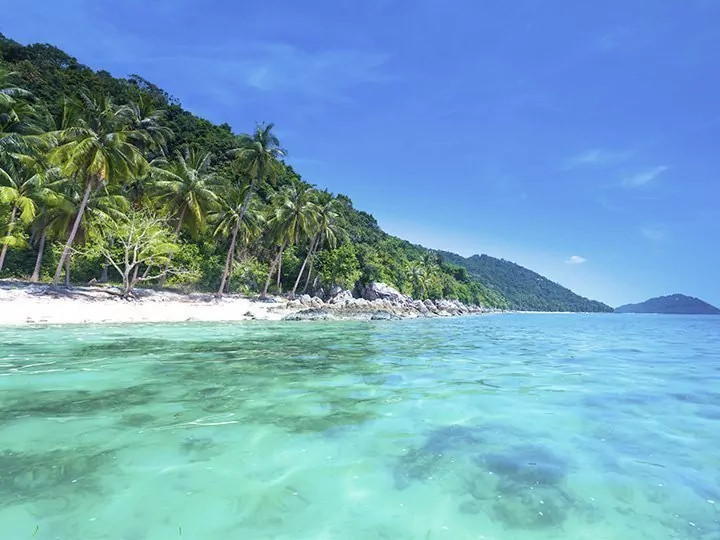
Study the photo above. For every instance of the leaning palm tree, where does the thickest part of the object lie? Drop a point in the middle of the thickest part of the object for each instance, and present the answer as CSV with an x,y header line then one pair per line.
x,y
258,154
40,231
227,217
293,217
98,146
326,230
103,205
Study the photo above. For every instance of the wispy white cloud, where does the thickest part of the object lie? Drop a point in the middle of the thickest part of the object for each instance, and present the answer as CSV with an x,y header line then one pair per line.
x,y
644,177
282,67
275,68
576,259
653,233
595,158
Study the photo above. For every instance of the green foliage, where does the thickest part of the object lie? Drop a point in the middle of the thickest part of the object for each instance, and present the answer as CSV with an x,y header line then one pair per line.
x,y
139,247
339,267
522,288
248,275
88,160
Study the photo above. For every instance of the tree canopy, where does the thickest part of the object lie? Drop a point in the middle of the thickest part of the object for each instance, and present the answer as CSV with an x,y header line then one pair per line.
x,y
87,160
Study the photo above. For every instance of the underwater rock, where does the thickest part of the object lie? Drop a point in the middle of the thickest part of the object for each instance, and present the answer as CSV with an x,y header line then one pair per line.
x,y
49,474
200,448
136,419
470,507
415,465
420,463
532,509
528,491
482,487
527,465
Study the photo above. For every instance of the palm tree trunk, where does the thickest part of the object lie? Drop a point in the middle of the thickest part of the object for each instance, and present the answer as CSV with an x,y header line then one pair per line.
x,y
232,267
273,265
38,262
181,217
310,271
312,262
73,232
5,246
67,269
231,251
302,268
228,260
279,272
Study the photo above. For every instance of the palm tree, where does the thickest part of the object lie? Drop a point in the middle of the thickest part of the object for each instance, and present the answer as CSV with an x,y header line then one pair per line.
x,y
24,192
17,195
18,128
185,186
227,216
293,216
9,92
104,205
40,229
149,121
325,231
98,146
258,154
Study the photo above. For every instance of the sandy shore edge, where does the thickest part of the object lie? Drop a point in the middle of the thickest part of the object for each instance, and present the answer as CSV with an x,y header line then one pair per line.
x,y
27,304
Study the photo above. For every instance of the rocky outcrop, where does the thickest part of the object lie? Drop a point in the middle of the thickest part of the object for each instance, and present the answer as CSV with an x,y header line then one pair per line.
x,y
341,298
344,313
381,291
378,302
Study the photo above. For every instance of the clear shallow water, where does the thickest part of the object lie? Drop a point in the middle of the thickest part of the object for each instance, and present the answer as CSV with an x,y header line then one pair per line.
x,y
497,428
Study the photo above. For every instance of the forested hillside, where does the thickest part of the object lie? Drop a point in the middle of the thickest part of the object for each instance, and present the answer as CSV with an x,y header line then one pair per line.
x,y
96,167
110,179
523,289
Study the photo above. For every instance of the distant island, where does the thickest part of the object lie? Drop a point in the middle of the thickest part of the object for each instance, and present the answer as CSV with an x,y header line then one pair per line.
x,y
678,304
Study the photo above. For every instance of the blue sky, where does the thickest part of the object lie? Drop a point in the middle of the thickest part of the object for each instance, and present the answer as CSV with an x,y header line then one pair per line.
x,y
579,139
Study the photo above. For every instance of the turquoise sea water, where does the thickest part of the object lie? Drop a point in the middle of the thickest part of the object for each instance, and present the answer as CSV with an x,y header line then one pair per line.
x,y
504,427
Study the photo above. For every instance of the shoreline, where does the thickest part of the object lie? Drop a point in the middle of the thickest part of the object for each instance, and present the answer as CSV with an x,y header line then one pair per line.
x,y
24,303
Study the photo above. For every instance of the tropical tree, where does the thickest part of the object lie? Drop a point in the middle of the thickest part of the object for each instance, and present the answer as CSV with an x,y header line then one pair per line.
x,y
185,188
97,147
148,120
16,123
23,192
9,92
325,231
133,241
40,229
257,154
339,267
293,217
227,218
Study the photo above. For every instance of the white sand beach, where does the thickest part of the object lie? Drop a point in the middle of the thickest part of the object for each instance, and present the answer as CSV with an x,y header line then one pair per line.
x,y
22,303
